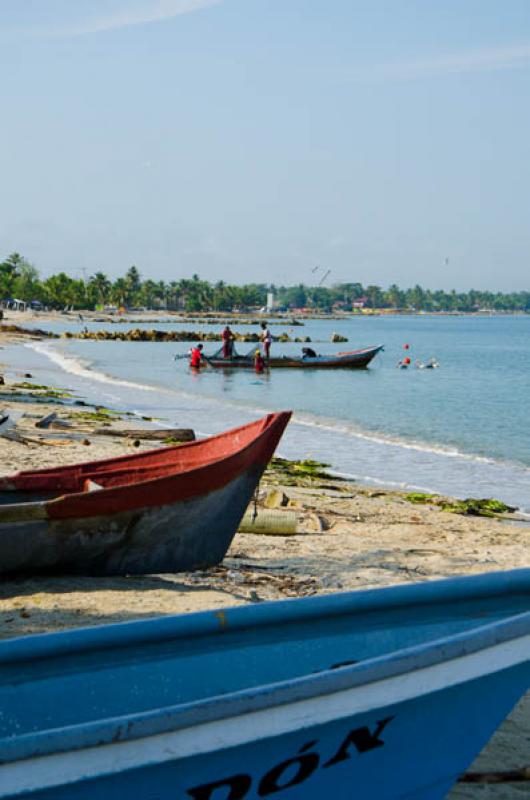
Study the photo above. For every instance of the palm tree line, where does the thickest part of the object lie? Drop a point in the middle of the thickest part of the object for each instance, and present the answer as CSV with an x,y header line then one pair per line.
x,y
20,279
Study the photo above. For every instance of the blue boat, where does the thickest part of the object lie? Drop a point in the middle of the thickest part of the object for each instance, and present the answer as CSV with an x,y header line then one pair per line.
x,y
388,693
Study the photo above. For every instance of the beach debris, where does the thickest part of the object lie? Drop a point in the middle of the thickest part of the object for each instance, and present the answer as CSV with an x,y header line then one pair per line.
x,y
315,523
60,424
46,421
252,576
166,435
2,381
8,420
484,507
275,498
269,522
503,776
86,442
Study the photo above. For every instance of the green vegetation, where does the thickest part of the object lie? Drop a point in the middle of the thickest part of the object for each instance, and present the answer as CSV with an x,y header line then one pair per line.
x,y
43,391
91,416
292,473
19,278
26,385
486,507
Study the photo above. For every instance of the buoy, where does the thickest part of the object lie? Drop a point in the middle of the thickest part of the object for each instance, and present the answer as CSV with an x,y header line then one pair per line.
x,y
406,361
406,346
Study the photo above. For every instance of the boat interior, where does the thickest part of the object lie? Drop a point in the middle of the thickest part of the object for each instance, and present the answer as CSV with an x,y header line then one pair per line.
x,y
167,662
47,484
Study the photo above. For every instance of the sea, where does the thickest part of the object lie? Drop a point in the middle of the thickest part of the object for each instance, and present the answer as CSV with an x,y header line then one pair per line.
x,y
461,429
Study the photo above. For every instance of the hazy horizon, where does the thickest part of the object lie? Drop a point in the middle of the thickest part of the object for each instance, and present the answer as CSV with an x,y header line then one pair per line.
x,y
254,140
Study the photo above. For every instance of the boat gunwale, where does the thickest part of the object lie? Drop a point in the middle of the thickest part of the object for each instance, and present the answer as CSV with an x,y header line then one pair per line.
x,y
133,458
325,360
12,513
204,623
130,727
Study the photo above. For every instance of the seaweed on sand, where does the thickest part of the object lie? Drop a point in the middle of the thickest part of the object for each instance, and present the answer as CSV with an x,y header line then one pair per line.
x,y
297,473
43,391
484,507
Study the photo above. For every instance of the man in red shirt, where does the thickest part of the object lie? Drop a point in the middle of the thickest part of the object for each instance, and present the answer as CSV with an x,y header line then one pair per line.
x,y
196,357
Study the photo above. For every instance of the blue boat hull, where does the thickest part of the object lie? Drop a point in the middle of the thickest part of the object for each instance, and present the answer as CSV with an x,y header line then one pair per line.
x,y
411,750
383,694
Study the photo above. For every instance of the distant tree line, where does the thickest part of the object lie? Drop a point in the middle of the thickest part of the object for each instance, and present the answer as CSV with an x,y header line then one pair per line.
x,y
20,279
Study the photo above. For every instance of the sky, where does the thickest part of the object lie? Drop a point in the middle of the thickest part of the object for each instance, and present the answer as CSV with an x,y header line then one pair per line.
x,y
255,140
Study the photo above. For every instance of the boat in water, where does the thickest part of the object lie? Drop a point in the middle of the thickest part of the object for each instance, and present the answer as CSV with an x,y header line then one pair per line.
x,y
386,693
353,359
166,510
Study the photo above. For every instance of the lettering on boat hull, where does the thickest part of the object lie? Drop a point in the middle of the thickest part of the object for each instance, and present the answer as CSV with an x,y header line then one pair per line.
x,y
295,770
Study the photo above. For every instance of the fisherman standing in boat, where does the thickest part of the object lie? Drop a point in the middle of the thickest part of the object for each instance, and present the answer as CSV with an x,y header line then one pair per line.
x,y
196,357
228,340
266,339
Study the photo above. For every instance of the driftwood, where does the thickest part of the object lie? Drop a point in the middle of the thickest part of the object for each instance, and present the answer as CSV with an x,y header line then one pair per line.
x,y
158,435
46,421
506,776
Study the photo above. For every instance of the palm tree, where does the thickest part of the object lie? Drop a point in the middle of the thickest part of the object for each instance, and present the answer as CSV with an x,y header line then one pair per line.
x,y
100,286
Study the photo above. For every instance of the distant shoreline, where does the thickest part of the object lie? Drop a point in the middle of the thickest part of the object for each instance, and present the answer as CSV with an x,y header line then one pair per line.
x,y
294,318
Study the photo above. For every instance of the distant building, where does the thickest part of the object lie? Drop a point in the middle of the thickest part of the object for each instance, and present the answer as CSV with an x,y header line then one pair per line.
x,y
359,302
270,301
14,304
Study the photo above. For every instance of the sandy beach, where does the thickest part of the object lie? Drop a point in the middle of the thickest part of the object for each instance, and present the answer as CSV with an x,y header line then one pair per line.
x,y
349,537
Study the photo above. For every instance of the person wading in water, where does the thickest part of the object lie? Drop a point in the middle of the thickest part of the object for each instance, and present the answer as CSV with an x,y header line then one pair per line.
x,y
266,339
259,364
196,357
228,340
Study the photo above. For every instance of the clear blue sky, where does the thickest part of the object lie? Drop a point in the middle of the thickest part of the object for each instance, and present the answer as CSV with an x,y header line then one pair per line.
x,y
385,140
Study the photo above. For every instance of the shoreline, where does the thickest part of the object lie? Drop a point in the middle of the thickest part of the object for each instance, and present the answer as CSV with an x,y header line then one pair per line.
x,y
376,458
295,317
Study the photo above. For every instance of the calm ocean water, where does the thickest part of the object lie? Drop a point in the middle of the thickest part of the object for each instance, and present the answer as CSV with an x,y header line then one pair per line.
x,y
460,429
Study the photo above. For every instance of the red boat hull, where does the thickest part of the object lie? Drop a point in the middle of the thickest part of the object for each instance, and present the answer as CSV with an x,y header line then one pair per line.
x,y
166,510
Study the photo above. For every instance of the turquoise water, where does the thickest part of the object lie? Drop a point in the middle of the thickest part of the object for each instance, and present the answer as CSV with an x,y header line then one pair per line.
x,y
462,428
